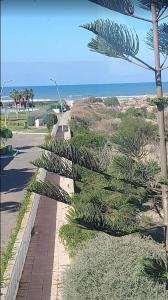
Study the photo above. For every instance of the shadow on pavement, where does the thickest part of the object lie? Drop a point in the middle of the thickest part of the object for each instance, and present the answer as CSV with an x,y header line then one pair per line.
x,y
11,206
25,147
15,180
4,162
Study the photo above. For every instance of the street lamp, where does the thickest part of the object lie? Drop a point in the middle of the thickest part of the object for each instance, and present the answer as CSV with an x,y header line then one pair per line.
x,y
55,82
5,110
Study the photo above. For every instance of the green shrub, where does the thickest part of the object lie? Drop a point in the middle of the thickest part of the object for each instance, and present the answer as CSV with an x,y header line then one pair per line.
x,y
151,115
51,119
93,99
109,268
5,134
136,112
73,237
31,120
88,139
7,150
111,101
133,135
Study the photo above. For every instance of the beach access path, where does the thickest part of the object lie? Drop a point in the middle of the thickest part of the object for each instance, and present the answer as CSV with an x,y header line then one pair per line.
x,y
46,258
15,174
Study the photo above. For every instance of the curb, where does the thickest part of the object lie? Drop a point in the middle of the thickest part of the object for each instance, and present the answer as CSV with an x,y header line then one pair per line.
x,y
16,263
21,132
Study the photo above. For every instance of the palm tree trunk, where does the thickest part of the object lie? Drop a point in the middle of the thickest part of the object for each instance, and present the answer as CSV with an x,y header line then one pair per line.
x,y
161,121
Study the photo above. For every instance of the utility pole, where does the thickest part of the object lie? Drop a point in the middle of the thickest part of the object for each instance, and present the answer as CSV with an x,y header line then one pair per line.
x,y
55,82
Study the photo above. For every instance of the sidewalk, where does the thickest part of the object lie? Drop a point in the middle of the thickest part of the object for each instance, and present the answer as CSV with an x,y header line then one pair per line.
x,y
46,258
36,278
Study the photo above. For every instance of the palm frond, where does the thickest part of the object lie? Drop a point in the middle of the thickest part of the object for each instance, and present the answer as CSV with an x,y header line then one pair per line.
x,y
96,210
50,190
121,41
155,269
146,4
125,7
55,164
82,157
101,46
163,39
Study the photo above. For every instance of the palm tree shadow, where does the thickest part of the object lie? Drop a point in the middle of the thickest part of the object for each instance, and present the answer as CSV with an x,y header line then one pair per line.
x,y
15,180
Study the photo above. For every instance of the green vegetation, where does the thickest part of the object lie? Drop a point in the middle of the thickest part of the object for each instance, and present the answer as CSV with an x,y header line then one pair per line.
x,y
31,120
74,237
118,41
110,268
114,193
7,255
93,99
18,124
134,135
22,98
5,134
51,120
140,112
111,101
88,139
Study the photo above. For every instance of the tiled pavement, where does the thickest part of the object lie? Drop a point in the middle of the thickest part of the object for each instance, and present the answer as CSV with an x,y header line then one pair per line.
x,y
36,278
41,273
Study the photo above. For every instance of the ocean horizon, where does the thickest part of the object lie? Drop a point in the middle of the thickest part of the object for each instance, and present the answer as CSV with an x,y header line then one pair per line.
x,y
86,90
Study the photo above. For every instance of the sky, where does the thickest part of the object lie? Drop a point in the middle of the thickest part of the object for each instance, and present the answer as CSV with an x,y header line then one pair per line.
x,y
41,39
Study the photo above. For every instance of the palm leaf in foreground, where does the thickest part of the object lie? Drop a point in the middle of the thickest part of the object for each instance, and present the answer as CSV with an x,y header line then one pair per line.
x,y
154,269
120,40
163,39
81,157
125,7
55,164
146,4
50,190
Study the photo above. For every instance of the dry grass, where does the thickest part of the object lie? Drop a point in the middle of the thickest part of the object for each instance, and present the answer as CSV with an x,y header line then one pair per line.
x,y
98,116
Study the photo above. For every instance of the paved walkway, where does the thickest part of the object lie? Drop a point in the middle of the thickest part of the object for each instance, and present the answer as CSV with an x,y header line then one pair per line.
x,y
36,278
41,274
15,174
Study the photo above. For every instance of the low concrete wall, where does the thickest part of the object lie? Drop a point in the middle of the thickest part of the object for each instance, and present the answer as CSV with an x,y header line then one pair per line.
x,y
61,257
15,266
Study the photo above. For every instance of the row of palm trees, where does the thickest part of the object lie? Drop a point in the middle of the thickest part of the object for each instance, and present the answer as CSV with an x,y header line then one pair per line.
x,y
22,98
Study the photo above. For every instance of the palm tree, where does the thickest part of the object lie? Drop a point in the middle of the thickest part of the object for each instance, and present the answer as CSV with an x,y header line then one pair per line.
x,y
14,94
118,41
31,94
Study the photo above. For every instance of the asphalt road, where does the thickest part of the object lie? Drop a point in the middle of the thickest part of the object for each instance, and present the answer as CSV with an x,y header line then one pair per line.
x,y
15,174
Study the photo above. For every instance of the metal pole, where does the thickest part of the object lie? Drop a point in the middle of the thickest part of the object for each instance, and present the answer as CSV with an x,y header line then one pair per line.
x,y
55,82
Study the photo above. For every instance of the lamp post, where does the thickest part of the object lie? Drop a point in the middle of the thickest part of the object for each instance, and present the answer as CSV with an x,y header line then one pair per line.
x,y
5,108
55,82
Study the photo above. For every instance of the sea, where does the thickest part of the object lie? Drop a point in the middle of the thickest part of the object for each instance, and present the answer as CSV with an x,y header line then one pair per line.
x,y
86,90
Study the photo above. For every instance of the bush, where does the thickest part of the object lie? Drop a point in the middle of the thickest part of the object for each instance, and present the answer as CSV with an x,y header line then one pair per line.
x,y
111,101
88,139
73,237
110,268
51,120
5,134
93,99
31,120
136,112
133,135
